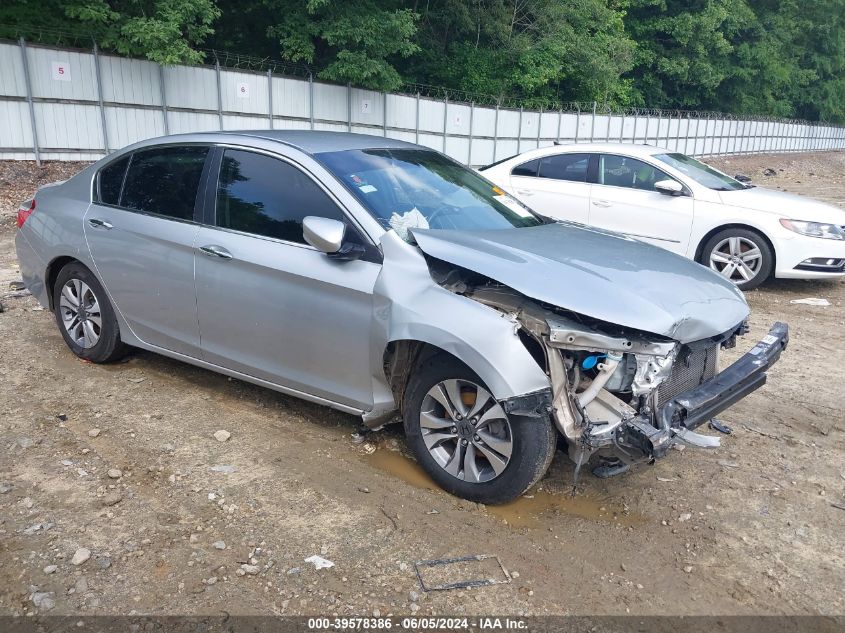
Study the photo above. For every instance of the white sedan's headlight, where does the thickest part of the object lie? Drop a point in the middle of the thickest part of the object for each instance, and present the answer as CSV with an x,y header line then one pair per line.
x,y
815,229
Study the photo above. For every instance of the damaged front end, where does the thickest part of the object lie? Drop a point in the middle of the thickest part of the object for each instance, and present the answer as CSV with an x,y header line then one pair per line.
x,y
627,396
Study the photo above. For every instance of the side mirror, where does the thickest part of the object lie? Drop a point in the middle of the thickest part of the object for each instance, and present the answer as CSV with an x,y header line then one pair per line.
x,y
669,187
324,234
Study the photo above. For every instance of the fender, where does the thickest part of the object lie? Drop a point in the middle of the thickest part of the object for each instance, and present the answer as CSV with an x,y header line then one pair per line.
x,y
409,305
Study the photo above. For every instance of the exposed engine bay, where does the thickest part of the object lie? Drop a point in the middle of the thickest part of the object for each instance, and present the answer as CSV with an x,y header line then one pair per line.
x,y
609,386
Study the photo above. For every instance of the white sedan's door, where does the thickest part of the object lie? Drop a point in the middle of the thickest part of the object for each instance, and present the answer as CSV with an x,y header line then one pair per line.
x,y
555,186
624,200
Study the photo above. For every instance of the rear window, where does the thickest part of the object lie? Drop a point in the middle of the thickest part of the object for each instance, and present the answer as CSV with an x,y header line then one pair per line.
x,y
110,180
164,181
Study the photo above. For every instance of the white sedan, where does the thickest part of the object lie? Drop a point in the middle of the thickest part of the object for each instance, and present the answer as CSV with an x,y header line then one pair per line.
x,y
746,233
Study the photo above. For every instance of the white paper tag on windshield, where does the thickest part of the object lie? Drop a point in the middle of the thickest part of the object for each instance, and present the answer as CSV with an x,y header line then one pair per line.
x,y
513,205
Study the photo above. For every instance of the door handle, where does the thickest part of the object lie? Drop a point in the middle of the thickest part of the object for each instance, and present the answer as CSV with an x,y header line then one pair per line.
x,y
601,203
100,224
215,251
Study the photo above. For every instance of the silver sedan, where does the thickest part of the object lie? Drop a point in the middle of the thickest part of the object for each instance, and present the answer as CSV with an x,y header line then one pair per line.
x,y
385,280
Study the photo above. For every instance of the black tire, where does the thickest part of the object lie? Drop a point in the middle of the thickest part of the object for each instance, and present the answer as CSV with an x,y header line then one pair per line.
x,y
108,347
767,258
533,439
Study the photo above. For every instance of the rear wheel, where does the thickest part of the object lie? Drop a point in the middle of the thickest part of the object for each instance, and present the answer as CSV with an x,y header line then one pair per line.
x,y
85,317
464,439
740,255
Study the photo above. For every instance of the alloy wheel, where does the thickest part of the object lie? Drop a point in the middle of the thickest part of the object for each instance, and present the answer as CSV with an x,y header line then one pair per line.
x,y
466,431
80,312
737,259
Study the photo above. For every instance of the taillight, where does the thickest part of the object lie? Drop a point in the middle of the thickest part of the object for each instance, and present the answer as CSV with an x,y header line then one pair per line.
x,y
25,211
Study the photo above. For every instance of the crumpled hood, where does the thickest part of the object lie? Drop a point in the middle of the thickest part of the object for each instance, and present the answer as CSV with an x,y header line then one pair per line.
x,y
596,273
789,205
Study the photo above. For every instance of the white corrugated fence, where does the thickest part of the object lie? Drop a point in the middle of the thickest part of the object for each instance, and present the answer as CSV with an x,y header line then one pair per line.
x,y
64,104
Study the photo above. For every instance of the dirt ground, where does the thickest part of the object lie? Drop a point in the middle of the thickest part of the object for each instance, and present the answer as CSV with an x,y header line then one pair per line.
x,y
755,527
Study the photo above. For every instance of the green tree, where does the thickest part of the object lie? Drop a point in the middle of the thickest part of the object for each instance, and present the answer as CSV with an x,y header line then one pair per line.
x,y
350,41
164,31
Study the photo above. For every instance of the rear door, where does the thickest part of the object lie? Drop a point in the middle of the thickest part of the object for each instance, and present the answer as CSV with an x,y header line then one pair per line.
x,y
555,186
624,200
270,305
140,232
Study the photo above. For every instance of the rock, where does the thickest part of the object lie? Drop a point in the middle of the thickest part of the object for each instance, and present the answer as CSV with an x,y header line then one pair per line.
x,y
104,562
622,567
80,556
115,473
219,545
414,607
112,498
514,574
294,571
769,172
49,569
727,463
25,442
194,538
688,569
221,435
252,570
5,487
223,469
414,596
686,516
81,585
639,586
93,432
211,581
45,600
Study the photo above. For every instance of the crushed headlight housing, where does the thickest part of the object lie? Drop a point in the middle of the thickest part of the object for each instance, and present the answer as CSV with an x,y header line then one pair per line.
x,y
823,230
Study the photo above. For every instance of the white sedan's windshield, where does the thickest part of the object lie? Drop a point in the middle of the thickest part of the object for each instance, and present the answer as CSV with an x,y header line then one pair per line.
x,y
701,173
411,188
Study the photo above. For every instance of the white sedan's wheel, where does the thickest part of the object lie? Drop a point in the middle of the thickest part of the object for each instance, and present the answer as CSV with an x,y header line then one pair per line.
x,y
741,256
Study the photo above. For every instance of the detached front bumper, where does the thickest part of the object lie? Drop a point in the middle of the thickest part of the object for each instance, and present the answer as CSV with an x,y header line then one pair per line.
x,y
691,409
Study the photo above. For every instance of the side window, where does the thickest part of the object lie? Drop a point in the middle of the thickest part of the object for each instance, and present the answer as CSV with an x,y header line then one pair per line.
x,y
266,196
526,169
164,180
110,180
623,171
565,167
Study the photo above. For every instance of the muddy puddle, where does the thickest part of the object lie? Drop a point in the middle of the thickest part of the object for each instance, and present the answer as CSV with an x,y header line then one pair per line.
x,y
536,509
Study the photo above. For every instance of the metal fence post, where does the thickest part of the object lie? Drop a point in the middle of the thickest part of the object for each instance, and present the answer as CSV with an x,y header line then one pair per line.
x,y
469,150
99,79
539,126
577,121
559,123
384,113
163,92
496,132
219,94
636,121
270,97
311,100
607,131
445,119
348,107
28,83
593,124
519,133
417,126
657,131
622,127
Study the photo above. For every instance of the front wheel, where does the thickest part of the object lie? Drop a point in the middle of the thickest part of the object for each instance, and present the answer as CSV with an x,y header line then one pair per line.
x,y
741,256
466,442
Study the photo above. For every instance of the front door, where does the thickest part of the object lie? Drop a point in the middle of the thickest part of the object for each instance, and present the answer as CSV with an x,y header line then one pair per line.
x,y
141,231
624,200
270,305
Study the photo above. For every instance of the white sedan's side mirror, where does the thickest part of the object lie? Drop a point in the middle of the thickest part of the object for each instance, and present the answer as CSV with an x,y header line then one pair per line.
x,y
324,234
669,187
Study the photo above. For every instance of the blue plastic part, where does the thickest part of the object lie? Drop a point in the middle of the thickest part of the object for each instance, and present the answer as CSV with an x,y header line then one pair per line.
x,y
592,361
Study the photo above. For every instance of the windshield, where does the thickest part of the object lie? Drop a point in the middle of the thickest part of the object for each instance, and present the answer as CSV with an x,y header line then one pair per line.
x,y
701,173
415,188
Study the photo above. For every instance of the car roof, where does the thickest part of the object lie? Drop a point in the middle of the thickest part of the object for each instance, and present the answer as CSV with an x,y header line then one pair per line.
x,y
629,149
317,141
